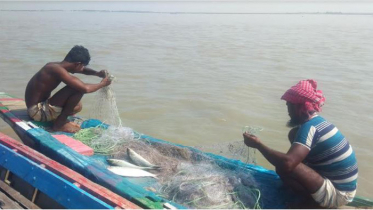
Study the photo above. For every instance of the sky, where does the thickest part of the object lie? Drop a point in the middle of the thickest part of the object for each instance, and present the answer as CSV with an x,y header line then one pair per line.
x,y
214,0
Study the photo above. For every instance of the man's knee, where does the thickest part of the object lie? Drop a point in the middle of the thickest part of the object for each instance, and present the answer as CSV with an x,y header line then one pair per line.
x,y
78,107
282,174
69,89
78,93
305,176
289,181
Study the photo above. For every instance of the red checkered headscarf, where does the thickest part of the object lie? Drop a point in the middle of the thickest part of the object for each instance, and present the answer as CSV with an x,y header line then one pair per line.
x,y
305,93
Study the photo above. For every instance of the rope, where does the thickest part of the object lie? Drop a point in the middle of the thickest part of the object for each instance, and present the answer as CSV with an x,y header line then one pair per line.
x,y
88,136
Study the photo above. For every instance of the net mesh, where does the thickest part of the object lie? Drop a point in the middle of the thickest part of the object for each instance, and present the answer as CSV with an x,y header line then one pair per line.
x,y
235,149
187,176
105,107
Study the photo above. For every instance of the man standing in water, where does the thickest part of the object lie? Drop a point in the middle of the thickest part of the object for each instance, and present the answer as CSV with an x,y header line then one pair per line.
x,y
320,162
66,102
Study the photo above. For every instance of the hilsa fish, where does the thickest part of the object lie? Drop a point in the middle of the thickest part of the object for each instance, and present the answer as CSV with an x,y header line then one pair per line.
x,y
130,172
138,160
123,163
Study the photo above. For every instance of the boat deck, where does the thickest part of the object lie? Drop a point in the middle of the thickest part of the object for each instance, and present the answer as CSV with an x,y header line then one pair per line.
x,y
11,199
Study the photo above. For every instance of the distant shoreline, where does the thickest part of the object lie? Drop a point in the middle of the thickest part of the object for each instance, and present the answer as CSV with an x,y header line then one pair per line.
x,y
210,7
208,13
260,1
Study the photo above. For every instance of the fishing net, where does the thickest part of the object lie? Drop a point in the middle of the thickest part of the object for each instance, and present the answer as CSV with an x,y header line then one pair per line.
x,y
104,141
105,107
235,149
187,175
204,185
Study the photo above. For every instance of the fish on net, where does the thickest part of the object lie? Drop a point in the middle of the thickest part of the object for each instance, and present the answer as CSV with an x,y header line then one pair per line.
x,y
188,176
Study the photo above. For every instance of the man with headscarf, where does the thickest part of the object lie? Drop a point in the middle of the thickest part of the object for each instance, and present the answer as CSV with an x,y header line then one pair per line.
x,y
320,162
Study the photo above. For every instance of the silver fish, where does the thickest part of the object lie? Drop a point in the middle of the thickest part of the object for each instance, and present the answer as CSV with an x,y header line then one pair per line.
x,y
138,160
123,163
130,172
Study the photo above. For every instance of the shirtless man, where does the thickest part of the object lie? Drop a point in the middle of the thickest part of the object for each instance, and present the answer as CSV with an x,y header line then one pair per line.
x,y
42,107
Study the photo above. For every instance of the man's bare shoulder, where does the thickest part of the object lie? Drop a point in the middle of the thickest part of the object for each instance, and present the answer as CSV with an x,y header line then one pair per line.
x,y
54,67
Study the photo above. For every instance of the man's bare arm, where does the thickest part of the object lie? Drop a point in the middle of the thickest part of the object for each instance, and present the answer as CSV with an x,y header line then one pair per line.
x,y
284,162
89,71
78,85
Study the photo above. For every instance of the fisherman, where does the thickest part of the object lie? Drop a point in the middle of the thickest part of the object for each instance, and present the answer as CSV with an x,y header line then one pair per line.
x,y
320,162
42,107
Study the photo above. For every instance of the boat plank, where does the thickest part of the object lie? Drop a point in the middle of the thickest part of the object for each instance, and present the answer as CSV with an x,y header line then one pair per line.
x,y
10,192
41,178
15,104
97,190
7,203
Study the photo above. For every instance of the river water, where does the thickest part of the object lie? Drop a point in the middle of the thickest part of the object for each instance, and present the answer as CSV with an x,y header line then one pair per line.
x,y
195,73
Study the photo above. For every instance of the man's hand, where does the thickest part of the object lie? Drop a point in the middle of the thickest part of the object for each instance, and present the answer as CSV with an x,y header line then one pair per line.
x,y
251,140
106,81
102,73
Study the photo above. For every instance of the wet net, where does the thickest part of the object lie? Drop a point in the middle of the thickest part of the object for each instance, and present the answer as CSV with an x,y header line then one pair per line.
x,y
235,149
105,107
187,175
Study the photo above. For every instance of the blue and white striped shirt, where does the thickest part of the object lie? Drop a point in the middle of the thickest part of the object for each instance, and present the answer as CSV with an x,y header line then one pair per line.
x,y
330,153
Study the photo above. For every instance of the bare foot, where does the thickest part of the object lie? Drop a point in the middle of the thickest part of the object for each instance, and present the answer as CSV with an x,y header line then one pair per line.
x,y
68,127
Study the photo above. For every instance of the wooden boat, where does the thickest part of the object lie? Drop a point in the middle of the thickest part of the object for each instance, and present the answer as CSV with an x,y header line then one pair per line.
x,y
44,183
13,111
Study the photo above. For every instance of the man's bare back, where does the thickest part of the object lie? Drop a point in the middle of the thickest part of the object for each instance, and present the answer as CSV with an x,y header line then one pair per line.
x,y
42,107
41,85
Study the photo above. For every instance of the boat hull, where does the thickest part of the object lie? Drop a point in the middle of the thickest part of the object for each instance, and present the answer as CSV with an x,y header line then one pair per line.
x,y
274,194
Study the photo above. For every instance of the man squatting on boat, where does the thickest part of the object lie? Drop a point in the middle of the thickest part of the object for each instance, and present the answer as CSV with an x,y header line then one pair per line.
x,y
66,102
320,162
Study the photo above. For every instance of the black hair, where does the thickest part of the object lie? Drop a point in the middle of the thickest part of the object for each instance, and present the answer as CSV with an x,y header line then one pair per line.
x,y
78,54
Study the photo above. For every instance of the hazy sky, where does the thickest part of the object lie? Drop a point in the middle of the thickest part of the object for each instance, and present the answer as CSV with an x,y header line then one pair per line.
x,y
267,6
218,0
